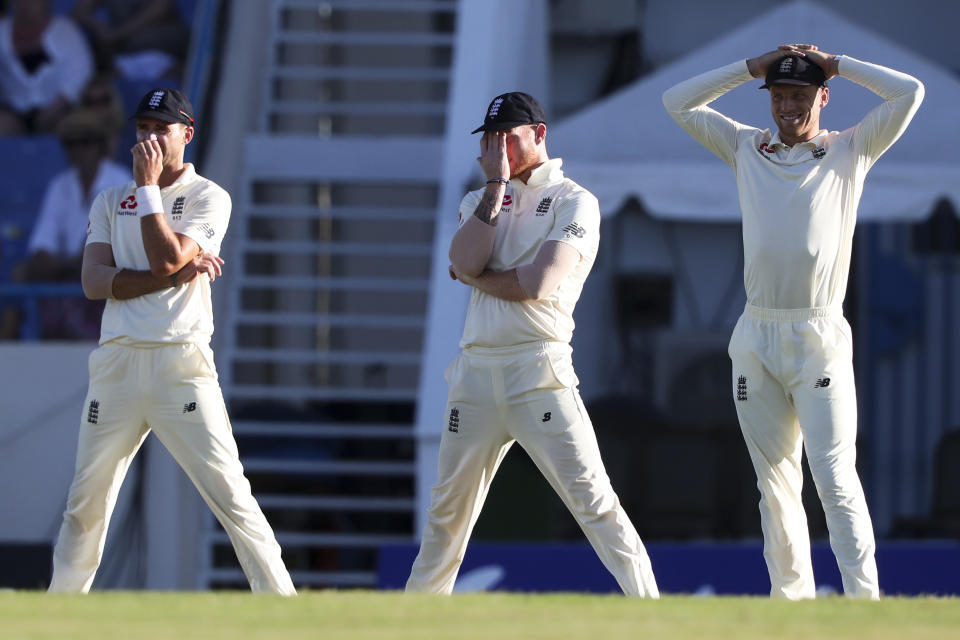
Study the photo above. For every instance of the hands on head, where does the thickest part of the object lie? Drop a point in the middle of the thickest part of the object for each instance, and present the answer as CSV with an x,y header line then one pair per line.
x,y
758,66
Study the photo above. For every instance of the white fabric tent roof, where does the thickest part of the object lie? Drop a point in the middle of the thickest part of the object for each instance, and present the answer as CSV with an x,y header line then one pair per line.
x,y
628,146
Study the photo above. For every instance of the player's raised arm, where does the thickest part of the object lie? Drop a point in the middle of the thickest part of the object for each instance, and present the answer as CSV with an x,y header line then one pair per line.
x,y
902,95
472,245
158,162
687,105
167,251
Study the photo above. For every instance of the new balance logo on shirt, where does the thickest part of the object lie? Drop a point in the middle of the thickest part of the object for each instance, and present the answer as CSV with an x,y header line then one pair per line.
x,y
821,383
573,229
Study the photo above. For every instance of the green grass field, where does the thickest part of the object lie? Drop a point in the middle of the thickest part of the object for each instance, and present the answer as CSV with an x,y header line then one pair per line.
x,y
494,616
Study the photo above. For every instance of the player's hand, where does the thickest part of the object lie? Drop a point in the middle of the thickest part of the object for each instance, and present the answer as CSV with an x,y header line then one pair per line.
x,y
209,264
812,53
202,263
147,162
493,154
456,275
758,66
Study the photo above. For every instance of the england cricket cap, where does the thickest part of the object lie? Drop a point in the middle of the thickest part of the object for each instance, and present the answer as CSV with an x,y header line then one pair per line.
x,y
510,110
168,105
794,70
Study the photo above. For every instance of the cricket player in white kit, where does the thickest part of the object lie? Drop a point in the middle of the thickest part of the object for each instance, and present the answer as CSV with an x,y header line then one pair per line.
x,y
526,244
151,252
792,349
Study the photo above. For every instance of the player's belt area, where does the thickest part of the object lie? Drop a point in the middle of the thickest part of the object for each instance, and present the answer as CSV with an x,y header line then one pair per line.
x,y
512,350
792,315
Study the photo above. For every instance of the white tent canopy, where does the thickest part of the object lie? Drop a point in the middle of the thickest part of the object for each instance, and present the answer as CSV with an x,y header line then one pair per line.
x,y
628,146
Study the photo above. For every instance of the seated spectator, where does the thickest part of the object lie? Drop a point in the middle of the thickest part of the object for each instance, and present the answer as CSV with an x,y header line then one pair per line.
x,y
45,62
142,39
56,243
101,96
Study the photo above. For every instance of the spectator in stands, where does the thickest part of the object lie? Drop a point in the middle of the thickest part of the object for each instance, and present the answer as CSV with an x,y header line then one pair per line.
x,y
58,237
101,96
45,62
141,39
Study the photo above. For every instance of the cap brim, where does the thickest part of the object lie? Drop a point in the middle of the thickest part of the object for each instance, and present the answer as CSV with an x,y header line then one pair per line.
x,y
500,126
796,83
158,115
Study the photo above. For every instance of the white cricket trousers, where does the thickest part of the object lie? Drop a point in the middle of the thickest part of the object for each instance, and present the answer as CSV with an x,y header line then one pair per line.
x,y
173,390
525,393
793,387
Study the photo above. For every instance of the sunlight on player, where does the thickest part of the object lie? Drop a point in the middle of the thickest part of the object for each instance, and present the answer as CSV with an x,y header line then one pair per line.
x,y
792,348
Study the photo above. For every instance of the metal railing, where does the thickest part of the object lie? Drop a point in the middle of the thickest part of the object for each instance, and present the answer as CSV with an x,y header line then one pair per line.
x,y
28,296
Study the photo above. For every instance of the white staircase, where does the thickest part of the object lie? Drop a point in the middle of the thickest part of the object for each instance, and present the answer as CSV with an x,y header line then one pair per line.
x,y
332,241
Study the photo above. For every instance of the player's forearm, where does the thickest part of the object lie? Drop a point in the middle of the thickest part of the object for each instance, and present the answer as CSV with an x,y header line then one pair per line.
x,y
554,262
163,247
705,88
887,83
130,283
472,244
97,280
887,121
499,284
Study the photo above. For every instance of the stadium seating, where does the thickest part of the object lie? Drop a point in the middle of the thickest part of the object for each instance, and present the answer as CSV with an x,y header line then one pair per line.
x,y
27,165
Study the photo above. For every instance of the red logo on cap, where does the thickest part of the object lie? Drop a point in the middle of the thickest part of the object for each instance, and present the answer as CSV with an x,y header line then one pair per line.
x,y
129,203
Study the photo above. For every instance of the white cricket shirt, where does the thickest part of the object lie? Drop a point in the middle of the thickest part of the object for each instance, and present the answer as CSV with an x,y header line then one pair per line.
x,y
194,207
799,204
548,207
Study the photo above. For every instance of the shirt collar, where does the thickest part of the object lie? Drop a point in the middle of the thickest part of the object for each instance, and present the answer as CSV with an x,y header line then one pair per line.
x,y
189,175
816,141
547,173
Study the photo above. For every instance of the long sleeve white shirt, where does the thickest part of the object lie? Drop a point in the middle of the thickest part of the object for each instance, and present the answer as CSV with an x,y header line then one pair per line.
x,y
61,226
66,73
799,203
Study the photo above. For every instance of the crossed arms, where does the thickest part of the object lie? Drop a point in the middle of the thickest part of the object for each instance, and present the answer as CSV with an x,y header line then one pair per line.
x,y
472,245
101,278
174,258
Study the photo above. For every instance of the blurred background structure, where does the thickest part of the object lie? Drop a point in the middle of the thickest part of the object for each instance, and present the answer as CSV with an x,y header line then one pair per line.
x,y
340,128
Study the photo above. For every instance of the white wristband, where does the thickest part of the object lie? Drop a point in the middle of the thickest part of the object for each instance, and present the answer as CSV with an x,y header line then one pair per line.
x,y
149,200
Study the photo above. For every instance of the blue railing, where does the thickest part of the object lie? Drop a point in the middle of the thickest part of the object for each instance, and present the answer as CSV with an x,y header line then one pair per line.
x,y
28,296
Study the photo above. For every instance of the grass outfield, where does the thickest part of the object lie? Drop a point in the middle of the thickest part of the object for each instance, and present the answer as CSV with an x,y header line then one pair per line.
x,y
491,616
